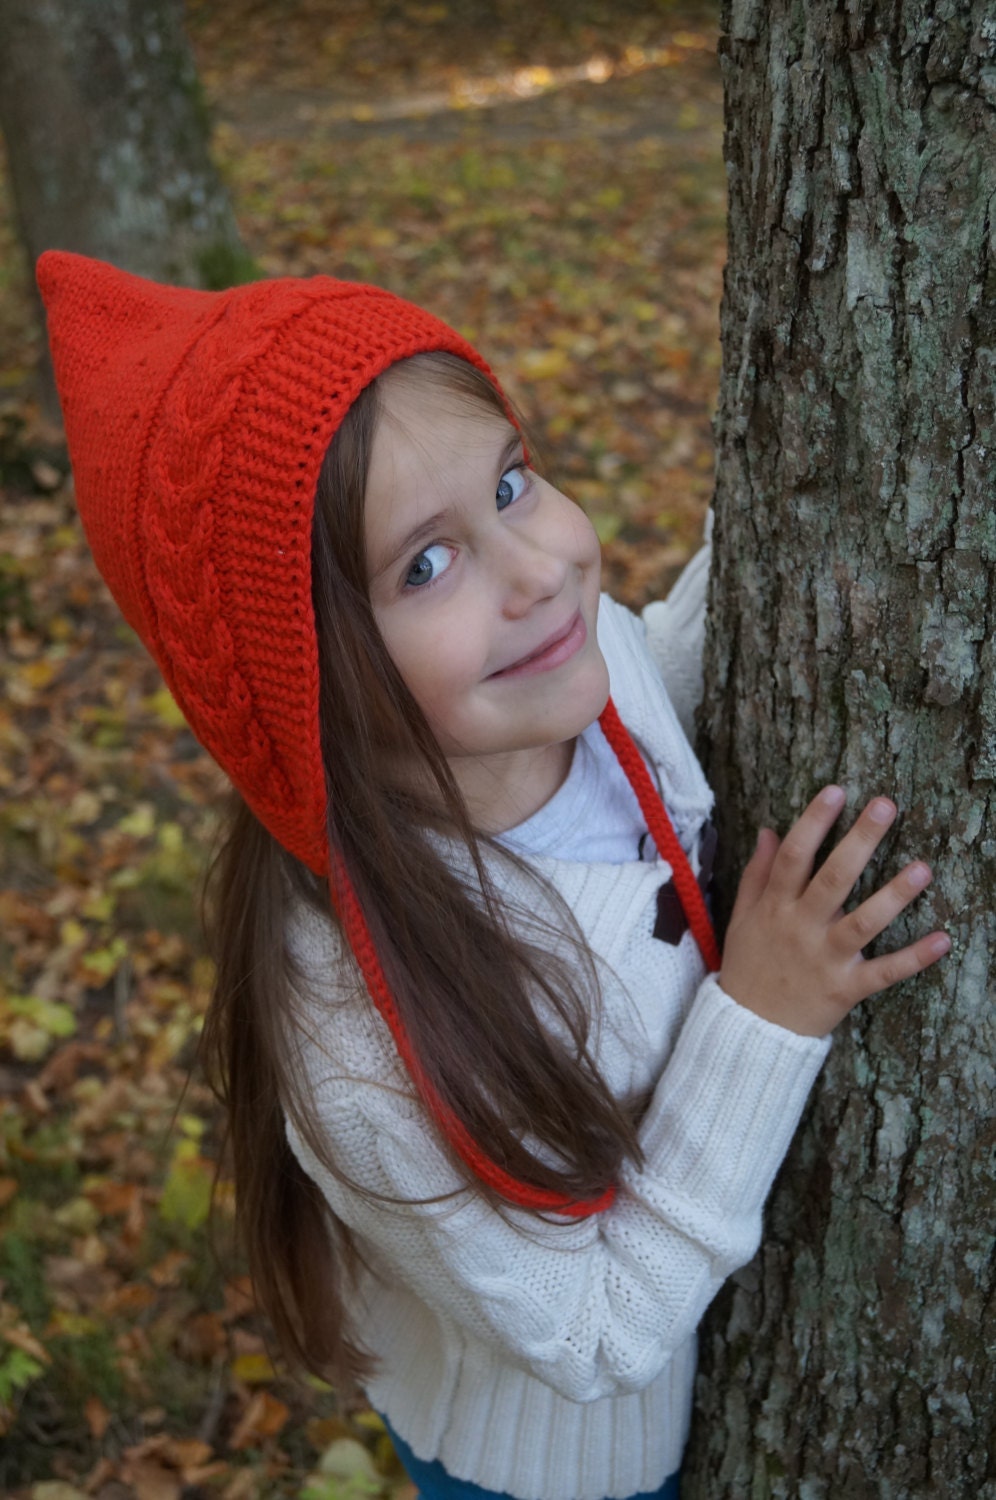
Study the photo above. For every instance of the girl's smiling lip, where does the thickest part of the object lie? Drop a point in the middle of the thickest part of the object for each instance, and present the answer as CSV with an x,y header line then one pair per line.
x,y
553,652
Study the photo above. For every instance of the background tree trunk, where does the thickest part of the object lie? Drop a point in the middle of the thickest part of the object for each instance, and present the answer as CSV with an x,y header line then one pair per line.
x,y
852,604
107,139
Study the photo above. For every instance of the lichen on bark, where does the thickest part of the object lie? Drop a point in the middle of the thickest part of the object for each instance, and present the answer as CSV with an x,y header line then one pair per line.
x,y
851,639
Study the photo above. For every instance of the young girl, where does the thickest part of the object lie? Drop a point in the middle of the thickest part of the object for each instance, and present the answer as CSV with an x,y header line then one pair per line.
x,y
500,1127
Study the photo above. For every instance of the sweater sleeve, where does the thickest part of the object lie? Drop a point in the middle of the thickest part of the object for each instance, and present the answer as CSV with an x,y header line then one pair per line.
x,y
594,1307
675,634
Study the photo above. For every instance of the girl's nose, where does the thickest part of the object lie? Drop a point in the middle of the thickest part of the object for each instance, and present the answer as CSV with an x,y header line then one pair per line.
x,y
531,572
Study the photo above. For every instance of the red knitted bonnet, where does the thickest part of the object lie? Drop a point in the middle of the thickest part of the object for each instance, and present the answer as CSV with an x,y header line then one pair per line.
x,y
197,423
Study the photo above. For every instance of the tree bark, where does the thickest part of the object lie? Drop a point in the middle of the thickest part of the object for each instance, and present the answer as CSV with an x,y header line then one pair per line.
x,y
852,606
107,139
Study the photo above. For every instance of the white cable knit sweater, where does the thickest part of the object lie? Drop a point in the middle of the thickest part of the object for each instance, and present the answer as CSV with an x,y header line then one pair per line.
x,y
555,1361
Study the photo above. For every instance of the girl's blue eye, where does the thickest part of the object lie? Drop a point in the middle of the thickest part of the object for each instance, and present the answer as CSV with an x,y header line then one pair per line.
x,y
510,486
428,566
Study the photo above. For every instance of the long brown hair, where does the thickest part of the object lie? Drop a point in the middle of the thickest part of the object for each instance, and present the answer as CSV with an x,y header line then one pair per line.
x,y
529,1094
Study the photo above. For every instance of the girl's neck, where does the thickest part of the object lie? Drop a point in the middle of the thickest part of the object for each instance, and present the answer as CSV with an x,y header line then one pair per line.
x,y
502,791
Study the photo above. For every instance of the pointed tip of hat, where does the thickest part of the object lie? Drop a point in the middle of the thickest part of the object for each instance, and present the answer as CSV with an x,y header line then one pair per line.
x,y
55,267
59,271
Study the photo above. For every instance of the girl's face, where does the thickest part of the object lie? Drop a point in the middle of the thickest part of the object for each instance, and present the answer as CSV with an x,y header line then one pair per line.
x,y
484,582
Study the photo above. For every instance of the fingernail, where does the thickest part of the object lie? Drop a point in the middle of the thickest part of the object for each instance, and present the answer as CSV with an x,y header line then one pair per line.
x,y
881,811
833,796
940,945
918,876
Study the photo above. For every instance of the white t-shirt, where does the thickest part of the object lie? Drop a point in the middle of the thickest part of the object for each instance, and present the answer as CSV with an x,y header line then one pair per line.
x,y
593,817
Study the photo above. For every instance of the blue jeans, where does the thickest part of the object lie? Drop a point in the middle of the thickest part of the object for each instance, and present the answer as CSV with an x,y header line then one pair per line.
x,y
435,1484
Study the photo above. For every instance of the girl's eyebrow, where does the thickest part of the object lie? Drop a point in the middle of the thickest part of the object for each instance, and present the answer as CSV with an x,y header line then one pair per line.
x,y
421,533
425,529
514,441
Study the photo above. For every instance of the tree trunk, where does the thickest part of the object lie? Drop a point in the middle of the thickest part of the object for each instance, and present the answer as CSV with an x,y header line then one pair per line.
x,y
107,139
852,608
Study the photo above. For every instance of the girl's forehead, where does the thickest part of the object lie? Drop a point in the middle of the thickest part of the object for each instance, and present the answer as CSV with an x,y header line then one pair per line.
x,y
434,429
428,408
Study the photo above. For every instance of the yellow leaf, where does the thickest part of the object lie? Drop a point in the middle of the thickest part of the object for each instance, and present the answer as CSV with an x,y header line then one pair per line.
x,y
606,526
610,197
542,364
38,674
166,708
99,907
72,1325
79,1216
140,822
186,1196
54,1018
370,1420
84,808
347,1459
102,963
170,838
28,1043
61,628
253,1369
72,934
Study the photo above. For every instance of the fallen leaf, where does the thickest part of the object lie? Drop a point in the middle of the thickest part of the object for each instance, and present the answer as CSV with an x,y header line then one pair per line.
x,y
253,1369
168,1271
202,1338
186,1453
264,1417
346,1459
110,1197
22,1338
151,1481
186,1196
543,364
97,1417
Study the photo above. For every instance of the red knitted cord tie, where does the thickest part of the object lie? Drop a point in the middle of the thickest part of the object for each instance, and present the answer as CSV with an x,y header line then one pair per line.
x,y
484,1169
360,941
663,834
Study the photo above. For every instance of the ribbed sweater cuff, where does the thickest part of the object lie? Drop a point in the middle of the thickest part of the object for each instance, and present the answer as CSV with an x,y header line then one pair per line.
x,y
727,1105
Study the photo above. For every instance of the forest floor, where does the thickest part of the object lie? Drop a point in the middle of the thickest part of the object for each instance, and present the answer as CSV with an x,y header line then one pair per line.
x,y
550,181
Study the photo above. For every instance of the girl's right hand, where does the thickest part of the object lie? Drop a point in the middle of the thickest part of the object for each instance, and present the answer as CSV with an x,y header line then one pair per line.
x,y
791,954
